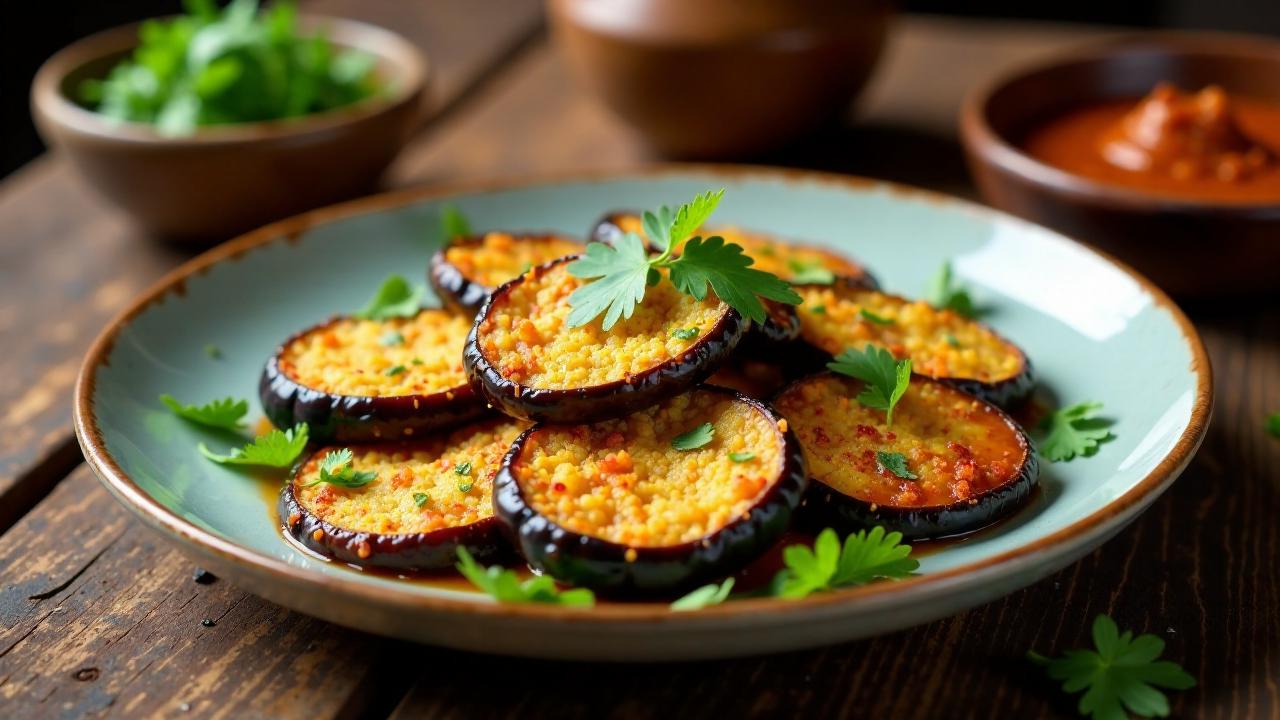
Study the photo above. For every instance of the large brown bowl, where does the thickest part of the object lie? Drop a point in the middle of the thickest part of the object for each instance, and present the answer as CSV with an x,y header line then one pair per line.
x,y
224,180
721,78
1190,248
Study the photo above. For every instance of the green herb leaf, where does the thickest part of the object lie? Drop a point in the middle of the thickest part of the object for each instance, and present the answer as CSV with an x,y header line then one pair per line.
x,y
810,273
741,457
945,293
278,448
895,463
466,485
730,275
391,338
865,556
420,499
335,469
951,340
453,224
1074,431
705,596
685,333
225,414
695,438
462,468
622,270
395,298
877,319
213,351
1273,424
665,228
1121,674
394,370
505,586
818,309
886,379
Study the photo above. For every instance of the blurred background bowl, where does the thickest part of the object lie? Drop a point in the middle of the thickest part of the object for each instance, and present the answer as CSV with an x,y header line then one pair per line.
x,y
223,180
722,78
1191,248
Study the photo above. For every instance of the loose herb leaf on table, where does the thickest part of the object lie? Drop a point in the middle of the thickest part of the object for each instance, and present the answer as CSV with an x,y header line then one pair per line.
x,y
225,414
1121,674
505,586
278,448
886,378
619,274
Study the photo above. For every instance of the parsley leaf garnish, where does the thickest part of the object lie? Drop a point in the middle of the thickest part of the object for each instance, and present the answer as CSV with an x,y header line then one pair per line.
x,y
453,224
1122,674
877,319
391,338
818,309
395,298
420,499
865,556
945,294
394,370
620,273
335,469
695,438
895,463
278,448
213,351
505,586
1273,424
226,414
741,457
1074,431
705,596
685,333
466,485
810,273
462,468
886,379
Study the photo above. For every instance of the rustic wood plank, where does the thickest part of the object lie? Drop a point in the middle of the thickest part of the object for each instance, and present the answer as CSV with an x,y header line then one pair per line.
x,y
69,262
106,618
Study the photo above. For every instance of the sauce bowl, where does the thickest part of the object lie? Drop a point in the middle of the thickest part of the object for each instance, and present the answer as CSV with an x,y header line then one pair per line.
x,y
1190,247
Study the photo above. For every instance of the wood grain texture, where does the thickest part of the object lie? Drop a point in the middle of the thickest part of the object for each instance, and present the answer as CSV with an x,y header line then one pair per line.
x,y
1201,568
68,262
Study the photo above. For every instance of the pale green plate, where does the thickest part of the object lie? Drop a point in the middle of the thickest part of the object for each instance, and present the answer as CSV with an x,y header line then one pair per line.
x,y
1094,330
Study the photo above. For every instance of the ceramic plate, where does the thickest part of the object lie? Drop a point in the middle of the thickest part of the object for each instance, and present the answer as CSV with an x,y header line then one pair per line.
x,y
1094,330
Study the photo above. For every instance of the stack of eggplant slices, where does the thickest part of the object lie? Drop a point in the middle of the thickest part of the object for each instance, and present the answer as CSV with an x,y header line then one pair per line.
x,y
645,412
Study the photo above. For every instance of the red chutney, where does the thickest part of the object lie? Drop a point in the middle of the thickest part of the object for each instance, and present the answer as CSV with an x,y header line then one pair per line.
x,y
1202,146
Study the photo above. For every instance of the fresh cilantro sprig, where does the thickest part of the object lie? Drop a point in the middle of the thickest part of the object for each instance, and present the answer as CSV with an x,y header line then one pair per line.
x,y
865,556
234,65
886,379
1121,675
945,293
453,224
705,596
336,469
620,274
505,586
695,438
1074,431
895,463
278,448
396,297
225,414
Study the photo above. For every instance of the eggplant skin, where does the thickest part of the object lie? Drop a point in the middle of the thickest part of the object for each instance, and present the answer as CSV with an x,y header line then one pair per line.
x,y
405,551
598,402
453,287
779,330
360,418
602,565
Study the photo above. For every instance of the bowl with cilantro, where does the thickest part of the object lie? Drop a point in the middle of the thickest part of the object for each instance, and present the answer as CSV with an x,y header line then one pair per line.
x,y
215,121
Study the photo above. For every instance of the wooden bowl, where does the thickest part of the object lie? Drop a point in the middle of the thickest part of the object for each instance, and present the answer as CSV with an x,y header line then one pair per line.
x,y
721,78
223,180
1191,248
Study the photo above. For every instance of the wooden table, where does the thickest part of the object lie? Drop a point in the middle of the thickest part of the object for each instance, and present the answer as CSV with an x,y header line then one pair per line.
x,y
100,616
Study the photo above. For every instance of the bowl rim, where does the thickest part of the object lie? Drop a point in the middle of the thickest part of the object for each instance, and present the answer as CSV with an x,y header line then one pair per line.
x,y
984,145
49,103
1102,522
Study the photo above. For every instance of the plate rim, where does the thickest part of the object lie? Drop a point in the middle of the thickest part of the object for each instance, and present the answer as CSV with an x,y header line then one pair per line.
x,y
156,515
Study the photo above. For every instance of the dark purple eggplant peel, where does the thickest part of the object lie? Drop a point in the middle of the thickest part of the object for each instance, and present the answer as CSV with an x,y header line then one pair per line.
x,y
617,569
453,286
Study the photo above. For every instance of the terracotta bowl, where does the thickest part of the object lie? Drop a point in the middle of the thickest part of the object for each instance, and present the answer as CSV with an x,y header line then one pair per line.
x,y
226,179
1190,248
721,78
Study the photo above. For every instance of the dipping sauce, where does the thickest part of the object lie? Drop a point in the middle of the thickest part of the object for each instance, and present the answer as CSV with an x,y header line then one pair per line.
x,y
1204,145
